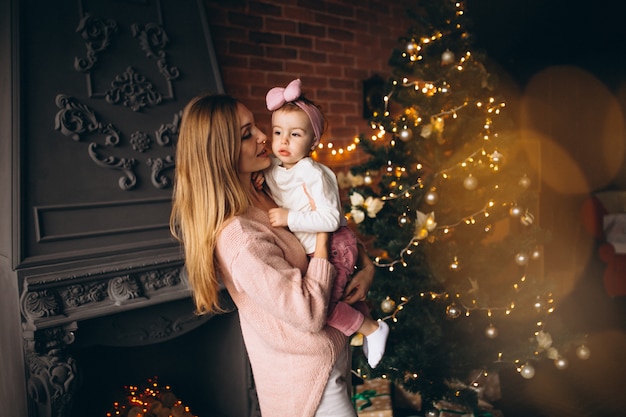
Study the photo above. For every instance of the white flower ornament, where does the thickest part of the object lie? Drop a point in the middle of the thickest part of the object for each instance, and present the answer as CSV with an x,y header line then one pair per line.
x,y
544,340
361,205
425,224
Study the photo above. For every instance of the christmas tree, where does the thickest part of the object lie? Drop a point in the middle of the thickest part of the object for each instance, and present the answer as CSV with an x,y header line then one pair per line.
x,y
447,203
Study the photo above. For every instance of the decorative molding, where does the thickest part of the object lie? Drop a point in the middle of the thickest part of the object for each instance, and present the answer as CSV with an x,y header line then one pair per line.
x,y
167,134
77,120
57,222
97,33
130,88
145,327
67,298
153,40
159,165
133,90
52,378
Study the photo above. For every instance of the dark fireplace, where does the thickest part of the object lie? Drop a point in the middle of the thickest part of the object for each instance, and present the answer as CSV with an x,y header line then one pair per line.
x,y
205,367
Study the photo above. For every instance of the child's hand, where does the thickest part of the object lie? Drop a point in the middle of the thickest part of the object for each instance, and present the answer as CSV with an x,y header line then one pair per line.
x,y
258,179
278,216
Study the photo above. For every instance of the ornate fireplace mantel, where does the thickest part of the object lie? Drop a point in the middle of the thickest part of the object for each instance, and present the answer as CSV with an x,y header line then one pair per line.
x,y
54,304
94,102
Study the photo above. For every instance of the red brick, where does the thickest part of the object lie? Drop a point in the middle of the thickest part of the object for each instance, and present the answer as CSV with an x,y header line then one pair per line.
x,y
328,70
312,56
340,35
264,8
299,41
245,49
328,45
314,30
344,107
280,25
281,53
296,67
347,84
329,20
313,5
266,64
245,20
265,37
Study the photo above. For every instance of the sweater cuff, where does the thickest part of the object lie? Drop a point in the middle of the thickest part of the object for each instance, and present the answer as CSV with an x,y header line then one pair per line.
x,y
321,269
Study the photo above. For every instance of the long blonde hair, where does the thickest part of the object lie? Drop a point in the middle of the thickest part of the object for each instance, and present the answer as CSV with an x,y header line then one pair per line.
x,y
207,189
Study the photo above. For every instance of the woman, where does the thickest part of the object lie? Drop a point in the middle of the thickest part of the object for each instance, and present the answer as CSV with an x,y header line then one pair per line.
x,y
300,366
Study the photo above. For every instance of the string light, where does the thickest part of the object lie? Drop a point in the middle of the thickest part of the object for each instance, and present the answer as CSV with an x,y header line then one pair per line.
x,y
149,402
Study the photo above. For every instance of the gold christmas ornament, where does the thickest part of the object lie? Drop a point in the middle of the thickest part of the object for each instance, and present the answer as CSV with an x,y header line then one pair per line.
x,y
452,311
515,211
388,305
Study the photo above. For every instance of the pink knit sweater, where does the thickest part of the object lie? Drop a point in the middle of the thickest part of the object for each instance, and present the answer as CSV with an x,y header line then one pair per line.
x,y
282,301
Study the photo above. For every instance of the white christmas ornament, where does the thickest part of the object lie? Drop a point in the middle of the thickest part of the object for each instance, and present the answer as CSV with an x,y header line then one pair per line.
x,y
583,352
404,219
431,198
515,211
491,332
524,182
470,183
527,371
521,259
406,134
496,157
447,57
561,363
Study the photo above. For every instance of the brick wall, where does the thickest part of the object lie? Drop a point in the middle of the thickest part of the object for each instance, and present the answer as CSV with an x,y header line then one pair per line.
x,y
331,45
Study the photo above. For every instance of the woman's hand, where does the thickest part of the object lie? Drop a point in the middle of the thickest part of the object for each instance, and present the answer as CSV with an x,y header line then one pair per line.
x,y
360,284
258,179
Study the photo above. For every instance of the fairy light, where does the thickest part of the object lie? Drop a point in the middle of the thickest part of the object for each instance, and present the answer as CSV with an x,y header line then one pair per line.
x,y
147,400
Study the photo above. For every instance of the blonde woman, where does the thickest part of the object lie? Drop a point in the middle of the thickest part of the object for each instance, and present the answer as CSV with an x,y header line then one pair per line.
x,y
300,365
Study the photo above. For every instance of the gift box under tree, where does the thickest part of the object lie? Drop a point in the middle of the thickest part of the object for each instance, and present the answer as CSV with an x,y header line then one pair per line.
x,y
373,398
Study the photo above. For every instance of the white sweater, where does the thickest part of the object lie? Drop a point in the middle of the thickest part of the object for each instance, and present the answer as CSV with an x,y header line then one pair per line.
x,y
310,192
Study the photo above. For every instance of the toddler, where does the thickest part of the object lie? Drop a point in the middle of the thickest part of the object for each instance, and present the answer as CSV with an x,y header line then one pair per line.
x,y
308,198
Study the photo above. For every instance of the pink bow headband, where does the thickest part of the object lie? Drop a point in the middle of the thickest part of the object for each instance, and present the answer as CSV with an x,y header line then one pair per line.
x,y
278,96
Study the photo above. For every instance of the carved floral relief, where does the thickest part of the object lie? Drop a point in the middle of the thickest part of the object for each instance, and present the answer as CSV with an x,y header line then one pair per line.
x,y
130,89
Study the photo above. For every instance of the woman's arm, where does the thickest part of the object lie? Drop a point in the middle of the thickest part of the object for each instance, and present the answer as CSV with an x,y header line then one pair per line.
x,y
258,269
359,285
